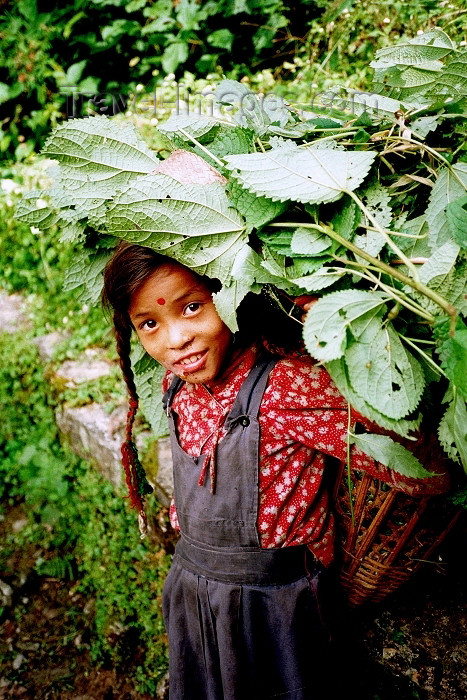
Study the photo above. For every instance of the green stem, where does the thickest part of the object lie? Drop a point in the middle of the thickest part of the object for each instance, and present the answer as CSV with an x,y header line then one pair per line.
x,y
398,295
434,153
47,270
422,340
328,138
427,358
396,233
386,237
203,148
395,274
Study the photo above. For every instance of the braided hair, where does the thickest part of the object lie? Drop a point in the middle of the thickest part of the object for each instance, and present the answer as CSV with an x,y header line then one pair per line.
x,y
260,317
128,268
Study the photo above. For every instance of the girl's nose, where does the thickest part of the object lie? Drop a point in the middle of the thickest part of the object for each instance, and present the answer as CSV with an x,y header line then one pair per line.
x,y
179,336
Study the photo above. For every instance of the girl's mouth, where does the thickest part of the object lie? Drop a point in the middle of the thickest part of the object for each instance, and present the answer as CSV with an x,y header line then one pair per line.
x,y
191,363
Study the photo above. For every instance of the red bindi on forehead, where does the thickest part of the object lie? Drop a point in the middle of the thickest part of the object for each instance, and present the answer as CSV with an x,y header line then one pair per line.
x,y
161,301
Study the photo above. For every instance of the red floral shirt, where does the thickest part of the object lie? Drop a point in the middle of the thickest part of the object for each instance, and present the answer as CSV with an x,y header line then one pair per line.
x,y
302,418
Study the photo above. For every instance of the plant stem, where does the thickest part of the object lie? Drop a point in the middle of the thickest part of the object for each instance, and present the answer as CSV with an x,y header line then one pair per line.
x,y
396,233
436,154
398,295
386,237
393,273
426,357
47,270
328,138
203,148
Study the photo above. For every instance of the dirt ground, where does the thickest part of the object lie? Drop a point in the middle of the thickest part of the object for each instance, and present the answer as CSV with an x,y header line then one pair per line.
x,y
414,645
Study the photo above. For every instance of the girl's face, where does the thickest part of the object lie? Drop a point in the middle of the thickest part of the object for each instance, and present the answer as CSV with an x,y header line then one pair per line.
x,y
178,325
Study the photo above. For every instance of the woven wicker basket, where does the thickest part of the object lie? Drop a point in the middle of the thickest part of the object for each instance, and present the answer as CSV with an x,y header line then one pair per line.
x,y
389,537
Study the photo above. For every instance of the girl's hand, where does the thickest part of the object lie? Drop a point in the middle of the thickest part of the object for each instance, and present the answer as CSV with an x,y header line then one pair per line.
x,y
305,302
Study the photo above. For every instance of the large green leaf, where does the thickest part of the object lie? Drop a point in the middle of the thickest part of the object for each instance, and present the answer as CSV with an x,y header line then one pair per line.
x,y
285,270
247,267
230,140
324,277
446,275
35,209
390,453
449,187
360,102
414,70
148,380
243,105
227,301
346,217
430,46
85,274
452,79
382,372
301,174
440,263
457,220
376,199
452,431
310,242
97,156
195,224
196,125
327,322
257,211
339,374
160,206
417,245
453,352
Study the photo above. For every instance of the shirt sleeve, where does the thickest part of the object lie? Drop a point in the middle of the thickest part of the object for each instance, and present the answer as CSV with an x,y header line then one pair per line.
x,y
311,410
173,517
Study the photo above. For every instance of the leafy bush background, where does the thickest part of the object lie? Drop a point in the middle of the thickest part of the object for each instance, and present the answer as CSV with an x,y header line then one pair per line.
x,y
110,47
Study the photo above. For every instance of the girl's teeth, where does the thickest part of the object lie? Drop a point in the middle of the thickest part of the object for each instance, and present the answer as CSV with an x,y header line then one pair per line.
x,y
191,359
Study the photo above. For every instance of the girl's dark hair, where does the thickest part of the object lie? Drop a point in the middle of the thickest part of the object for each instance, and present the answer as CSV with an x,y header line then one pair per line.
x,y
261,317
127,269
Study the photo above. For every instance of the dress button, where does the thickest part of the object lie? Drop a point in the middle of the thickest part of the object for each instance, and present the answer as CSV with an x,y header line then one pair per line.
x,y
245,421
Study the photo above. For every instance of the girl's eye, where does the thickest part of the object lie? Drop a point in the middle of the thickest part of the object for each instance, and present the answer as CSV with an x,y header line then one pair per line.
x,y
148,325
192,308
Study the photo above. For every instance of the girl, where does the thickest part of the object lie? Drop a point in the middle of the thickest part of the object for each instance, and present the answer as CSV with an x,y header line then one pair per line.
x,y
250,428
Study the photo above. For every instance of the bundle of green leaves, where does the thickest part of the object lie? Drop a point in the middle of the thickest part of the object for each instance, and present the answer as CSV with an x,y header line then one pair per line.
x,y
360,197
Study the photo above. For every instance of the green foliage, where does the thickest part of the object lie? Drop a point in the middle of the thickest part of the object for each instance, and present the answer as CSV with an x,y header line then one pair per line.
x,y
335,316
82,529
148,378
415,69
452,431
85,58
88,57
289,234
388,452
341,43
301,174
452,348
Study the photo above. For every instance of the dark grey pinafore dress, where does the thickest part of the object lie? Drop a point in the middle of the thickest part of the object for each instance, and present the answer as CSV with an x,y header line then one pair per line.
x,y
243,622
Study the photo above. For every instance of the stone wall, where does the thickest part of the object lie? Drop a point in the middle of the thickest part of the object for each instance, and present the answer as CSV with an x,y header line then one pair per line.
x,y
92,431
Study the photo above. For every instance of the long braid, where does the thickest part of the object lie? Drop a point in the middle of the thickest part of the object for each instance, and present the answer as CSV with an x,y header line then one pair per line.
x,y
136,481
